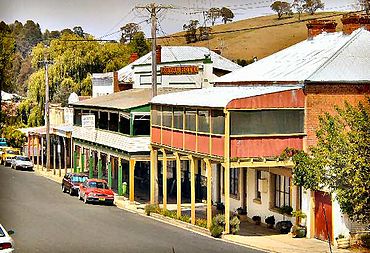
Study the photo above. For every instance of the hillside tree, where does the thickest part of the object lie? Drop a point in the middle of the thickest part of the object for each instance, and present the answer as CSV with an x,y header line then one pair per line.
x,y
365,5
7,53
191,31
226,14
299,6
128,32
311,6
213,14
281,8
139,44
340,160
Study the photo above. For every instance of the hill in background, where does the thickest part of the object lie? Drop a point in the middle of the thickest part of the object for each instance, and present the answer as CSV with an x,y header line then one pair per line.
x,y
262,42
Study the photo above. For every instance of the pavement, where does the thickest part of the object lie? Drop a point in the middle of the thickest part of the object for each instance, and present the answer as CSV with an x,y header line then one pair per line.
x,y
253,236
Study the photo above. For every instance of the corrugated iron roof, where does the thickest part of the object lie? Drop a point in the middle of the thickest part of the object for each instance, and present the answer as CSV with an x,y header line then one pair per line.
x,y
300,61
124,99
217,97
113,140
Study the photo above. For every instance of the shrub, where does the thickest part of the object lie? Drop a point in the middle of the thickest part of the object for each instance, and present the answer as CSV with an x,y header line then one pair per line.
x,y
286,210
201,223
152,208
270,221
257,219
234,225
217,226
365,239
299,214
185,218
284,226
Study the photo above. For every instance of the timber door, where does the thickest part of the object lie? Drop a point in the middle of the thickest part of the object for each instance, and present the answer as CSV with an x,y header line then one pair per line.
x,y
323,206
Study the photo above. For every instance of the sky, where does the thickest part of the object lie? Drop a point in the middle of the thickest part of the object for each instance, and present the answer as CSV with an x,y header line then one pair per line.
x,y
104,18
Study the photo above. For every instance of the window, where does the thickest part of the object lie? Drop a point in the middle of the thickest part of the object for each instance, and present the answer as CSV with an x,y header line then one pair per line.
x,y
77,117
234,181
113,122
156,115
124,124
267,122
190,116
141,124
282,191
96,118
203,121
178,118
167,117
103,120
258,187
218,122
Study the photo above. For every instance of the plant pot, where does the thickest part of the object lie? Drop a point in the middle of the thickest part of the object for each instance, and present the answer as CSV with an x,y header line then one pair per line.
x,y
284,226
299,231
343,243
242,217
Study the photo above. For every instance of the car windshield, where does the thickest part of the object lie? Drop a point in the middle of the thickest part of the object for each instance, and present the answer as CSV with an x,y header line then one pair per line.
x,y
100,185
23,158
78,179
2,234
14,152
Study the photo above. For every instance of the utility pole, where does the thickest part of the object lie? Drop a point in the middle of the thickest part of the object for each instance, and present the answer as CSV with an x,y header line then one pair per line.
x,y
46,62
153,10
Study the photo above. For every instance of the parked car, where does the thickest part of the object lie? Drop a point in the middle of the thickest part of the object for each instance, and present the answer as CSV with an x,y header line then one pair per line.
x,y
96,190
21,162
9,154
6,241
71,182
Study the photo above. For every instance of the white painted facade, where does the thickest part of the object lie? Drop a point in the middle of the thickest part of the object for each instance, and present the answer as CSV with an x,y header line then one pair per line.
x,y
102,84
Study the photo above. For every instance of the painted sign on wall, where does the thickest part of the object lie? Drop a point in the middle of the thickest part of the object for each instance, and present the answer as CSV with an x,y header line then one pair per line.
x,y
88,121
179,70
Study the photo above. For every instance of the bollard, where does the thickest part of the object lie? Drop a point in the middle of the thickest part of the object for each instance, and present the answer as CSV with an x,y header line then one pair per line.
x,y
124,188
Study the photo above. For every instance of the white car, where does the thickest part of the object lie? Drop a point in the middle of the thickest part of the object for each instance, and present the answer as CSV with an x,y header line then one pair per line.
x,y
6,241
21,162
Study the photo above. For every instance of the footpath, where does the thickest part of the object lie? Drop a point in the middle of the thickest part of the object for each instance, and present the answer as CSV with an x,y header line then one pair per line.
x,y
275,243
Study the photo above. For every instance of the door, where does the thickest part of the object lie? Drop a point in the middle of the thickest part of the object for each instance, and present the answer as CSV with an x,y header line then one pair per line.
x,y
323,216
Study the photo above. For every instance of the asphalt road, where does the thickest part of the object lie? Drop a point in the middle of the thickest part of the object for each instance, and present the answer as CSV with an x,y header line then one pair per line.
x,y
47,220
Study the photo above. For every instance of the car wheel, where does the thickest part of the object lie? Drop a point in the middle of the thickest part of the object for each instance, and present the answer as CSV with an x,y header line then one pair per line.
x,y
63,188
85,199
71,191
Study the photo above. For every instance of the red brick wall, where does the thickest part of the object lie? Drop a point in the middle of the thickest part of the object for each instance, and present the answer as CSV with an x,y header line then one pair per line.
x,y
323,98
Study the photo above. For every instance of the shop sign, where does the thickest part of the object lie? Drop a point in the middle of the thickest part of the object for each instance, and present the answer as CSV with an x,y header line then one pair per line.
x,y
88,121
179,70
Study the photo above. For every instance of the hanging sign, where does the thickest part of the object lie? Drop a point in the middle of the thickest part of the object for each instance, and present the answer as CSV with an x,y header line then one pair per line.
x,y
179,70
88,121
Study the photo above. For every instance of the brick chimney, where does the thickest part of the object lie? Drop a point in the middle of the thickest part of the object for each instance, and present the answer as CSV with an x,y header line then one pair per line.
x,y
158,53
115,82
134,57
316,27
352,22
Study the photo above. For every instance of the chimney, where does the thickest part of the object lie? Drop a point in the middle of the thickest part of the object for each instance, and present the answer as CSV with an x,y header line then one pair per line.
x,y
115,82
352,22
316,27
134,57
158,53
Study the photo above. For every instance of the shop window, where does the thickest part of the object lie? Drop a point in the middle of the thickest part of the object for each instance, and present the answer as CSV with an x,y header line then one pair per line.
x,y
156,115
113,122
218,122
267,122
103,120
141,124
77,117
190,120
282,191
178,118
258,186
203,121
234,181
124,125
167,116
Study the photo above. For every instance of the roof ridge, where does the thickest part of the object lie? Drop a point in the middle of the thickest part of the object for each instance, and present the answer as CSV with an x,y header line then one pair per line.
x,y
336,53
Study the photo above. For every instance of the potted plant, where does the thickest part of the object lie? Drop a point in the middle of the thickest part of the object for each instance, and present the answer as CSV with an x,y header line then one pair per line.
x,y
299,230
342,242
256,219
241,213
284,226
234,225
270,221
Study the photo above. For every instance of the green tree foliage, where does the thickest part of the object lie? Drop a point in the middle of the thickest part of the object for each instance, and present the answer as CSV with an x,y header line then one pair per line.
x,y
78,31
139,44
73,63
299,6
281,8
213,14
340,160
365,5
191,30
226,14
7,51
311,6
128,32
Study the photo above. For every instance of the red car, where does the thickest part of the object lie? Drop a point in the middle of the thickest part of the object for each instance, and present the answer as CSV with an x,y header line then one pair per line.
x,y
96,190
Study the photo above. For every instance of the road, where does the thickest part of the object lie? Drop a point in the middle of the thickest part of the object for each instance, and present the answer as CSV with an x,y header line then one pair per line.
x,y
47,220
